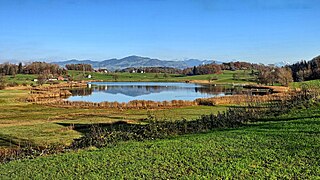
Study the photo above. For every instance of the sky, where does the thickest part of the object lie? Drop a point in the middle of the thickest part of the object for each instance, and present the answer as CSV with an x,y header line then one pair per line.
x,y
261,31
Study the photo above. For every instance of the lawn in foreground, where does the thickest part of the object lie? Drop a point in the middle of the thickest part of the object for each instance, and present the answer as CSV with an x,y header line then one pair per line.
x,y
286,147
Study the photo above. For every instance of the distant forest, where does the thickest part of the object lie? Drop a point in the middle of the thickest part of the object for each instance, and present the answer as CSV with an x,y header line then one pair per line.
x,y
306,70
32,68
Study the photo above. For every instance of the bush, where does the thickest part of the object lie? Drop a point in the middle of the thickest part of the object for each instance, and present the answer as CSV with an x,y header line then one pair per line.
x,y
12,84
2,82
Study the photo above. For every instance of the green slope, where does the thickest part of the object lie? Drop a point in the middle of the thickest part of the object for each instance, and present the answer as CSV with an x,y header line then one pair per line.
x,y
287,147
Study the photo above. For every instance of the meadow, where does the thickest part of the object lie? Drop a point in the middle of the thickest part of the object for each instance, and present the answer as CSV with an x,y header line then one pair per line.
x,y
224,78
22,122
283,147
286,147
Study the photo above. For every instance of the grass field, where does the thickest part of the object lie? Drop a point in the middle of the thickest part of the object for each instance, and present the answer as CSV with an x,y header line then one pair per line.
x,y
307,84
21,79
224,77
286,147
42,125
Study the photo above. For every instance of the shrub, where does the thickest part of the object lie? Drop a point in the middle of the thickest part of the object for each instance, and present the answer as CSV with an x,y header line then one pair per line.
x,y
12,84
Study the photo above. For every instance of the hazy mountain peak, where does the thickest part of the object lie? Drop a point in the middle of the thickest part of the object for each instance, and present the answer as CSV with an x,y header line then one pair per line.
x,y
136,61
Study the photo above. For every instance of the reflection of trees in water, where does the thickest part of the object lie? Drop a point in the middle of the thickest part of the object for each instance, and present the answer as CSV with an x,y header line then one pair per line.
x,y
81,91
135,90
140,90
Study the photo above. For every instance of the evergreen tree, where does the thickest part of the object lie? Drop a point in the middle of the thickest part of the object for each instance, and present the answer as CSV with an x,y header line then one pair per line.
x,y
20,70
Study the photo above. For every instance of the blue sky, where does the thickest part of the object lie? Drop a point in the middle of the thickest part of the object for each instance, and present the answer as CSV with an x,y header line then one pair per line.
x,y
263,31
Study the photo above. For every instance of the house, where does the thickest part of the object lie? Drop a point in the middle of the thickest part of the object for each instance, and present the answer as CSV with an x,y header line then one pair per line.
x,y
89,76
103,71
60,78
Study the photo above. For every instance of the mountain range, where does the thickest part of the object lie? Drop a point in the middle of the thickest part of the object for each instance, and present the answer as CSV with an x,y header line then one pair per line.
x,y
282,63
136,61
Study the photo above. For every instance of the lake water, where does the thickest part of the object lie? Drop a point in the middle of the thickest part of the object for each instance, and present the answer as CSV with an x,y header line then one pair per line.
x,y
154,91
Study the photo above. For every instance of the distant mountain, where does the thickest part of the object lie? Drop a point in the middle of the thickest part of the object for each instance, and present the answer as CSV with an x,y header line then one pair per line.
x,y
197,62
135,61
282,63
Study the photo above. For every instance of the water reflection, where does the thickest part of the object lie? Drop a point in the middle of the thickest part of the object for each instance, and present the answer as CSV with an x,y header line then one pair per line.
x,y
128,91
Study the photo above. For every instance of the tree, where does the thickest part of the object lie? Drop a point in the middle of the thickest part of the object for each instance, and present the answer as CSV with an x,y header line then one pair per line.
x,y
283,76
195,70
20,70
115,77
41,79
264,76
12,71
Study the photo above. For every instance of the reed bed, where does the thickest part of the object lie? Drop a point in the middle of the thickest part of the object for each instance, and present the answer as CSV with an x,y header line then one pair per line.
x,y
241,99
136,104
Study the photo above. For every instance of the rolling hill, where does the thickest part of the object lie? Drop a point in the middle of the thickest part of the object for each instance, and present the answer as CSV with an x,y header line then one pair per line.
x,y
135,61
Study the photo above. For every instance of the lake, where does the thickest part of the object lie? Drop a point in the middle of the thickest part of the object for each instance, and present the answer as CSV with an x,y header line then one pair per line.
x,y
154,91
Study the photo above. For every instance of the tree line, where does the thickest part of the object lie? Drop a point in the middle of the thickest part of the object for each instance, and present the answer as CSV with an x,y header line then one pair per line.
x,y
79,67
31,68
168,70
217,68
306,70
271,75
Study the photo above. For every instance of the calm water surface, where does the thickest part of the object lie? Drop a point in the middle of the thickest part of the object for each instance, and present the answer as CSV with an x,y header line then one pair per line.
x,y
154,91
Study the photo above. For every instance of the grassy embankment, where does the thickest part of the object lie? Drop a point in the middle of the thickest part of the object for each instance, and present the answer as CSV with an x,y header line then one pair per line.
x,y
286,147
41,125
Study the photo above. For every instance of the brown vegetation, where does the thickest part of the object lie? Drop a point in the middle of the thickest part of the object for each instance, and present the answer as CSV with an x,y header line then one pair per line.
x,y
136,104
79,67
41,93
240,99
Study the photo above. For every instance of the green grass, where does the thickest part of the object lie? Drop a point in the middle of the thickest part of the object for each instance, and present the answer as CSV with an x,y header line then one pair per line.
x,y
21,79
42,125
224,78
284,148
311,83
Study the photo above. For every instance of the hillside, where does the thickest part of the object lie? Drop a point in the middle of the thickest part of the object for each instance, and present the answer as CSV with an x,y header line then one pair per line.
x,y
136,61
